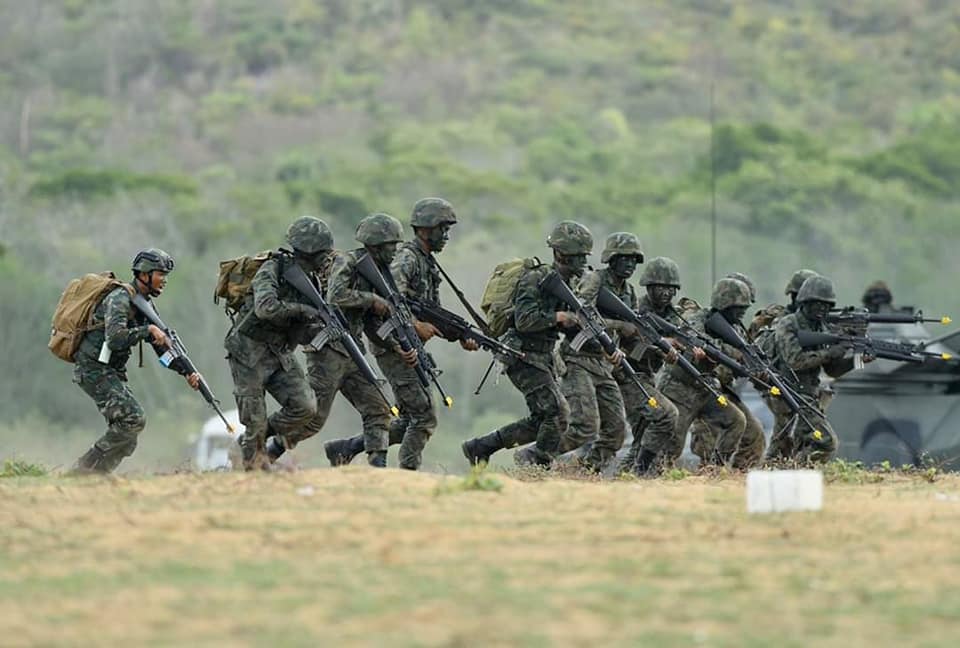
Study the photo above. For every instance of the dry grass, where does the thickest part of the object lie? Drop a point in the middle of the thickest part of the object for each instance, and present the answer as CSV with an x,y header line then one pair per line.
x,y
355,556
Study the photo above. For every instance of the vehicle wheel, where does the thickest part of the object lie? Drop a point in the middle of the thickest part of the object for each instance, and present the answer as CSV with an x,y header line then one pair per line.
x,y
887,446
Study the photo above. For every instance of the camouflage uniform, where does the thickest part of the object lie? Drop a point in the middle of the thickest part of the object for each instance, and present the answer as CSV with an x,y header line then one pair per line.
x,y
117,323
331,370
273,320
800,441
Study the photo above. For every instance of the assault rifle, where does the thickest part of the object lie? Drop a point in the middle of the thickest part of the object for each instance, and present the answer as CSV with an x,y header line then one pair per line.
x,y
400,324
592,328
856,318
897,351
178,352
761,372
335,328
455,328
612,306
691,339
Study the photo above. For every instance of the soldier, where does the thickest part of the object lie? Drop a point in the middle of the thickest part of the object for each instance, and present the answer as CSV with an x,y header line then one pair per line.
x,y
537,319
661,278
704,439
792,438
730,298
415,273
101,361
330,369
273,320
877,298
767,317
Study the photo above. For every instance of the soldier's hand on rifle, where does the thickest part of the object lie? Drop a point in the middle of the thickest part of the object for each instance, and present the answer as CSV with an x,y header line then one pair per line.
x,y
425,330
194,380
628,330
671,358
566,319
159,337
837,351
469,345
616,358
307,312
699,354
380,306
409,357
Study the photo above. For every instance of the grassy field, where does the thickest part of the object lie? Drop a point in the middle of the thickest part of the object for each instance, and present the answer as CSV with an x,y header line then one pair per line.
x,y
354,556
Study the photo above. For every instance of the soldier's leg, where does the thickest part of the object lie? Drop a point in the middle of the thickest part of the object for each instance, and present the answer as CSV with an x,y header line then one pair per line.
x,y
754,443
549,411
703,442
416,405
123,414
289,387
252,408
634,406
579,388
374,415
782,447
727,426
662,445
613,423
817,442
480,449
325,374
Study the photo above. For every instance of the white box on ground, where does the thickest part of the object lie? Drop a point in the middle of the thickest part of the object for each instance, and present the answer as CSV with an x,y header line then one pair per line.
x,y
779,491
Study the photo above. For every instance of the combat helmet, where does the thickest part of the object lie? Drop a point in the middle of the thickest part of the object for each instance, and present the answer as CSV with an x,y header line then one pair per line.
x,y
309,234
739,276
151,259
622,243
661,271
377,229
817,288
430,212
570,238
729,292
793,286
877,292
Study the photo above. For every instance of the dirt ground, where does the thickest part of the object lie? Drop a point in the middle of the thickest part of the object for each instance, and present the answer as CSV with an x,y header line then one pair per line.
x,y
356,556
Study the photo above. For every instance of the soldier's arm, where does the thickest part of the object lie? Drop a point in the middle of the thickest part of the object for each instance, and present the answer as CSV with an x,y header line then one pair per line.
x,y
118,335
790,351
404,269
838,366
529,314
341,292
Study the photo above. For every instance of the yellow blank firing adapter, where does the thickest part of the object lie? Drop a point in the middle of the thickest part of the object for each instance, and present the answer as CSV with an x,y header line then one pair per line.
x,y
652,402
774,391
818,435
449,401
945,320
722,400
231,429
946,356
395,410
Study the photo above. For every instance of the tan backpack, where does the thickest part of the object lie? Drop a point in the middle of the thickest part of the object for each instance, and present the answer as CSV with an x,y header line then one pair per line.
x,y
236,280
72,318
501,288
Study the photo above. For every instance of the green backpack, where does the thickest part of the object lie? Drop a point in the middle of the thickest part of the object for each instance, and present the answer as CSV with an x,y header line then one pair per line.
x,y
236,280
501,288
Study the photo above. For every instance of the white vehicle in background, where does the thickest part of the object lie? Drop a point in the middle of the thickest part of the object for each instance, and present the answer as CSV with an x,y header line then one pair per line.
x,y
214,447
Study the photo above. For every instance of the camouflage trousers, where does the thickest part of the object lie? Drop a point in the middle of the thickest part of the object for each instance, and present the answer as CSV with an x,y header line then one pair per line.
x,y
659,421
125,418
536,379
693,402
705,441
597,422
796,440
418,417
331,371
281,376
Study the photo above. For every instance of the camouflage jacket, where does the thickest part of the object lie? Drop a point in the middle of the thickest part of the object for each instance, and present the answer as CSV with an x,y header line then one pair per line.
x,y
354,295
805,363
120,323
697,320
270,316
534,326
587,288
646,358
321,279
415,273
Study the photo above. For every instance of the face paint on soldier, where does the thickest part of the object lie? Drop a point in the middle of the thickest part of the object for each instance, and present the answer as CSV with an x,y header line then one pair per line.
x,y
623,266
570,265
661,295
311,262
385,252
816,310
436,238
734,314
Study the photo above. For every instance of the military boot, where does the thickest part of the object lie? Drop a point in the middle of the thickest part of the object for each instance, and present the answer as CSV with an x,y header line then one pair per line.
x,y
91,463
342,451
480,449
254,458
377,459
274,448
646,463
532,456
